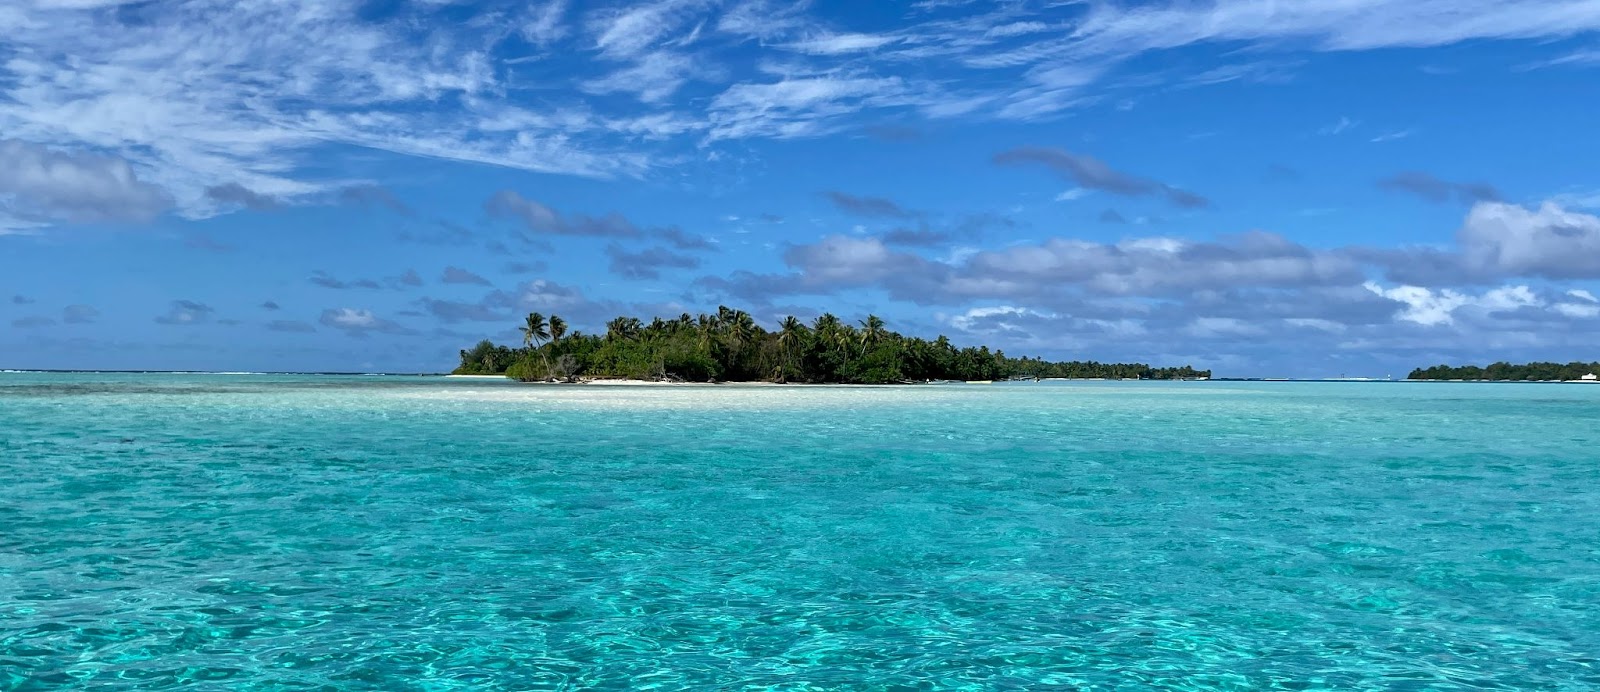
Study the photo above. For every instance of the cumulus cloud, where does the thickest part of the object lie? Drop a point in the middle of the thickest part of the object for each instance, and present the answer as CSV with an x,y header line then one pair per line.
x,y
1430,307
1053,271
1549,242
356,322
1091,173
48,185
1578,304
186,312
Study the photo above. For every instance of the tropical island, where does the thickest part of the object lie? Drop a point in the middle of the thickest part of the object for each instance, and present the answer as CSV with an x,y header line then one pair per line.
x,y
730,347
1575,371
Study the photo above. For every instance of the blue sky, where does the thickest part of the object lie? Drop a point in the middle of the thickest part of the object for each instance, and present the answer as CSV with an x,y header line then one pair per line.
x,y
1266,189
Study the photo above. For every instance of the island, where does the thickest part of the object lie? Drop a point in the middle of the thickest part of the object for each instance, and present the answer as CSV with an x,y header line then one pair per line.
x,y
729,346
1576,371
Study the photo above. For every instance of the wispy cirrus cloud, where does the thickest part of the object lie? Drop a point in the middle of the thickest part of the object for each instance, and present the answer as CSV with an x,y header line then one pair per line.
x,y
204,99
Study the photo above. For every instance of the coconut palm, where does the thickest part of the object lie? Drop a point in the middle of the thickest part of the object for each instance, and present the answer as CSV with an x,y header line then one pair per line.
x,y
623,329
558,328
872,332
791,331
741,329
535,331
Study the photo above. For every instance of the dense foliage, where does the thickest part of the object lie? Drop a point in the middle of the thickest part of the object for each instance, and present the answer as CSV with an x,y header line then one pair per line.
x,y
1507,371
730,346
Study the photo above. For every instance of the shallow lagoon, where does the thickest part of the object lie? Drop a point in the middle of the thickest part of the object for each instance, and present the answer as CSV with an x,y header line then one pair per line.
x,y
281,532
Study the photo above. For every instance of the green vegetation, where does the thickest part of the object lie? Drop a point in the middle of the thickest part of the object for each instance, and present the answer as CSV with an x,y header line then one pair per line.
x,y
730,347
1505,371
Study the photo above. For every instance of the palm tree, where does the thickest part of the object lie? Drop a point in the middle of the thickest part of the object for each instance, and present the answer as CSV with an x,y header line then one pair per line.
x,y
790,332
558,328
872,332
706,330
622,329
534,331
741,329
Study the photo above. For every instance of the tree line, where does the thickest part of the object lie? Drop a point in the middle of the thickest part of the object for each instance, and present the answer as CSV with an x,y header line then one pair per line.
x,y
729,346
1506,371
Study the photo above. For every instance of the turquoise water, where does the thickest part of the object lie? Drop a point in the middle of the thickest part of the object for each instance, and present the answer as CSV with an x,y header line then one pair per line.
x,y
255,532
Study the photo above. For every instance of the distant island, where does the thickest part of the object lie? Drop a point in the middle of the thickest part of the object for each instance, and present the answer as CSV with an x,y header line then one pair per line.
x,y
730,347
1529,372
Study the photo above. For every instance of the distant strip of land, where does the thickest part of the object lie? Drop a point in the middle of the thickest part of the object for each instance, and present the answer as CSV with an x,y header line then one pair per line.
x,y
729,346
1576,371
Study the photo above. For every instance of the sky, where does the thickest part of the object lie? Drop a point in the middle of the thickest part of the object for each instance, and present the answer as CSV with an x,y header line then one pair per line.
x,y
1267,189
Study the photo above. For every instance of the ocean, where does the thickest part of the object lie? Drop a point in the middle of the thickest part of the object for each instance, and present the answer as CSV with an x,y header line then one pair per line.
x,y
320,532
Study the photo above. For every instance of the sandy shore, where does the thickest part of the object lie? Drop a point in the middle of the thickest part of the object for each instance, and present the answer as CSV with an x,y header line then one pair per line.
x,y
610,382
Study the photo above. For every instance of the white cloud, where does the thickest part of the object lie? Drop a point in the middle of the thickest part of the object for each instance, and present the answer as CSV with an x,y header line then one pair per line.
x,y
209,92
350,318
203,93
839,44
39,185
1581,58
543,25
994,317
1513,240
798,106
1016,29
1422,306
1438,307
654,78
1392,135
1577,310
627,32
1316,323
358,322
